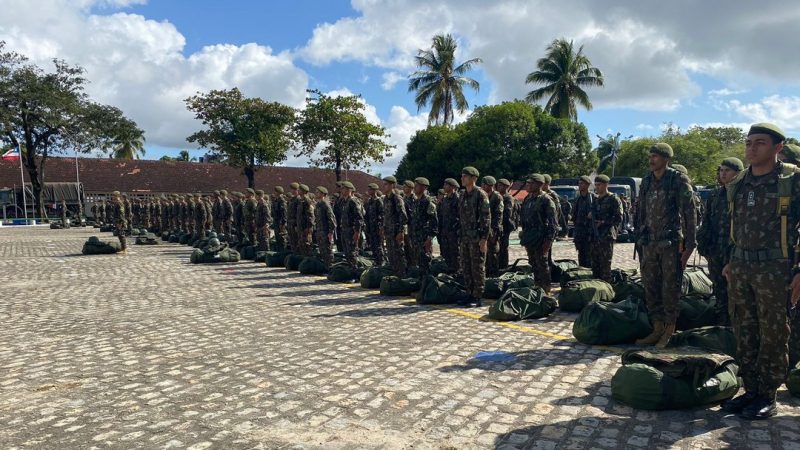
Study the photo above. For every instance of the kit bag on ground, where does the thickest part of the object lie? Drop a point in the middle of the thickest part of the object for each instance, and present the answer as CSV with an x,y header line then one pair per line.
x,y
494,288
94,246
311,265
619,276
292,261
793,382
56,225
612,323
576,274
226,255
276,259
438,265
560,266
174,238
440,290
518,266
342,272
714,339
696,311
184,238
696,282
522,303
165,236
147,239
261,256
575,295
395,286
630,286
371,278
249,252
674,378
107,228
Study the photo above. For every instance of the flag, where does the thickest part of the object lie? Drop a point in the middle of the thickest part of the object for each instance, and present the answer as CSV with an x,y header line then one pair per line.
x,y
11,155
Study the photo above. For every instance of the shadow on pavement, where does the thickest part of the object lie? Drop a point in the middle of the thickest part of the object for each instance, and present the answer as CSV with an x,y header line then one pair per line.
x,y
375,312
499,361
375,298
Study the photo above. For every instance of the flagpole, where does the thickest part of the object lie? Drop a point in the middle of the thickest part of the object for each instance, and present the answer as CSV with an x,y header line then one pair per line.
x,y
22,177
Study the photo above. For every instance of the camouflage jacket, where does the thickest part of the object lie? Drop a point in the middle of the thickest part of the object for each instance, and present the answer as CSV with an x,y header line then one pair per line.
x,y
238,214
607,215
510,213
538,219
352,215
581,215
279,212
713,235
263,213
292,210
666,209
449,220
118,213
373,215
496,209
557,203
226,210
324,219
250,207
216,209
305,213
394,214
200,215
424,221
474,215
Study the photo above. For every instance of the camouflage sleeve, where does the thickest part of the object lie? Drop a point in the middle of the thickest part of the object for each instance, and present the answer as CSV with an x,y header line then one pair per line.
x,y
402,214
308,215
357,215
330,218
550,220
484,217
616,213
688,212
433,221
497,217
508,215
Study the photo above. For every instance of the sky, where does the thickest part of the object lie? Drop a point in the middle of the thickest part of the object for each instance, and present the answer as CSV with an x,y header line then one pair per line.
x,y
684,62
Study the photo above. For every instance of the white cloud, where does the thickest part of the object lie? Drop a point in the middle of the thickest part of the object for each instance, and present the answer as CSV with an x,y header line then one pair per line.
x,y
644,126
390,80
782,111
725,92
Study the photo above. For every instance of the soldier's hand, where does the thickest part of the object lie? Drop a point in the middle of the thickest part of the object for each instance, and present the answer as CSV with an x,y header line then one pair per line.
x,y
482,245
685,257
795,287
330,238
726,272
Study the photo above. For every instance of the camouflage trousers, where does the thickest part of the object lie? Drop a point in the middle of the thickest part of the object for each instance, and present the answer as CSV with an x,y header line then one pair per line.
x,y
262,235
661,276
492,256
325,248
304,246
473,266
794,339
715,266
602,254
422,258
217,225
758,300
448,247
409,251
375,245
396,254
293,238
251,231
200,230
349,246
502,255
281,240
583,244
123,242
541,268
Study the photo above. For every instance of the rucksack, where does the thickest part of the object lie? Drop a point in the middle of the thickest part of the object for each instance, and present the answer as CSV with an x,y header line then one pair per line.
x,y
696,311
438,265
793,382
311,265
396,286
631,287
249,252
518,267
715,339
148,239
575,295
522,303
560,266
371,278
440,290
173,238
292,261
674,378
342,272
276,259
98,247
575,274
612,323
261,256
165,236
695,281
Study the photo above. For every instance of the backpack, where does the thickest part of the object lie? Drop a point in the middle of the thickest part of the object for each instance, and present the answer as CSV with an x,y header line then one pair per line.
x,y
148,239
275,259
560,266
249,252
98,247
165,236
522,303
292,261
696,311
396,286
674,378
518,267
438,265
342,272
576,274
612,323
793,382
371,278
575,295
311,265
695,281
440,290
669,187
714,339
229,255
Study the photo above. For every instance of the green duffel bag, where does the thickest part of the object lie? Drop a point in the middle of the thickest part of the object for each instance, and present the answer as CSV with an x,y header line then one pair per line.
x,y
184,238
197,256
438,265
342,272
576,274
715,339
56,225
94,246
440,290
292,261
165,236
695,281
696,311
371,278
793,382
135,232
619,276
395,286
107,228
362,264
494,288
311,265
260,257
276,259
612,323
575,295
146,240
200,243
522,303
560,266
174,238
249,253
229,255
518,267
519,281
674,378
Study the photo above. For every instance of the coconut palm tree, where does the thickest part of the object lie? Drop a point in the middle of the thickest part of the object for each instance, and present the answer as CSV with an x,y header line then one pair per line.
x,y
608,151
564,72
439,82
129,146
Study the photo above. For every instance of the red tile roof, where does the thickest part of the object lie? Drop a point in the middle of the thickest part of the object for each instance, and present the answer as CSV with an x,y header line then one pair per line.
x,y
149,176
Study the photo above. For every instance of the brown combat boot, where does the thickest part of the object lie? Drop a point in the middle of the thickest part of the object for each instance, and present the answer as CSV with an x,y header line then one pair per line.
x,y
652,338
669,330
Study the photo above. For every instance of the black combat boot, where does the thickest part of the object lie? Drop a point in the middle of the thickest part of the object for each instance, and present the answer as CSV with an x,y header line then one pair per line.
x,y
736,405
759,409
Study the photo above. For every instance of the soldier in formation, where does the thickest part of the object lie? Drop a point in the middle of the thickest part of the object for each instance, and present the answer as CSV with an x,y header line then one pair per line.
x,y
324,226
373,223
539,228
510,220
449,225
495,228
606,217
424,223
582,222
395,221
475,221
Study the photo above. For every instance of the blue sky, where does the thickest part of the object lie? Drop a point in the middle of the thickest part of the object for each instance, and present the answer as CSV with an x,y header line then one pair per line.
x,y
718,62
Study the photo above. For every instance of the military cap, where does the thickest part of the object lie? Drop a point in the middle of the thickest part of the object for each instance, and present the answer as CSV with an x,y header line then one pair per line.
x,y
260,193
422,180
440,191
471,171
390,179
451,182
322,189
223,192
536,177
125,194
372,186
347,184
504,182
115,193
251,191
767,128
304,188
601,179
791,153
279,189
189,195
586,179
339,183
408,183
163,197
216,192
663,149
681,168
294,185
490,180
733,163
547,178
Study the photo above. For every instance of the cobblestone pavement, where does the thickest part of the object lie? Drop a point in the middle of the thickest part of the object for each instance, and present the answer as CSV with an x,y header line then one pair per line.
x,y
147,351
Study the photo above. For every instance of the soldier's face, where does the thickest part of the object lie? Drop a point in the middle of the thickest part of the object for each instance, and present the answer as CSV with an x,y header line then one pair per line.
x,y
760,150
533,187
601,188
726,174
583,187
657,162
407,190
320,195
419,189
502,188
468,180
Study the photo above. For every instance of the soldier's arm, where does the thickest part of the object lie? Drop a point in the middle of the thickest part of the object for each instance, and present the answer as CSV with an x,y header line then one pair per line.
x,y
433,221
616,216
688,214
484,217
549,217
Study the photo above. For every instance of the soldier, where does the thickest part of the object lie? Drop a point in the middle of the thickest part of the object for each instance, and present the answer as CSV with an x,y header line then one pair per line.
x,y
120,217
665,225
539,228
134,213
147,222
216,212
510,220
790,154
200,217
156,213
188,215
225,214
373,221
101,212
553,196
764,202
263,220
128,212
606,216
408,200
582,236
394,226
337,204
305,221
496,228
475,220
424,224
352,223
238,216
63,211
713,236
325,226
249,215
698,205
279,219
291,217
449,225
166,208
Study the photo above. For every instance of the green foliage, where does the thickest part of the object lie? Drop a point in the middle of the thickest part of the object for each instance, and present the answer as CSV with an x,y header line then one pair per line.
x,y
334,133
564,72
247,132
183,156
440,82
510,140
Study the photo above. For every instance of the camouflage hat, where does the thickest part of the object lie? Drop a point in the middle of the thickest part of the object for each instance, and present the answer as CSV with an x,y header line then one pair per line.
x,y
423,181
223,192
115,193
663,149
260,193
732,163
347,184
294,185
471,171
304,188
440,191
372,186
536,177
251,191
681,168
339,184
322,189
504,182
791,153
125,194
490,180
216,192
767,128
547,178
189,195
390,179
601,179
585,179
451,182
279,189
408,183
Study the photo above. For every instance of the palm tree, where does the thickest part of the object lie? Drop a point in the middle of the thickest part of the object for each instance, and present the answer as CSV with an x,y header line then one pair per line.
x,y
564,72
608,151
130,146
439,82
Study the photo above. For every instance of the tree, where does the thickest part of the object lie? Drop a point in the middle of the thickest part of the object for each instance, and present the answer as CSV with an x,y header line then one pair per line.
x,y
128,146
183,156
247,132
48,113
564,72
334,133
438,83
608,152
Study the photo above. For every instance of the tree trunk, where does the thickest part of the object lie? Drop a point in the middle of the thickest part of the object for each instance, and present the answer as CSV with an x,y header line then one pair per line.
x,y
34,177
250,173
338,167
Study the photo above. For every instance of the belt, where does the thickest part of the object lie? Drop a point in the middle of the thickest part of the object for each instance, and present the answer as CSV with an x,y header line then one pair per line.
x,y
770,254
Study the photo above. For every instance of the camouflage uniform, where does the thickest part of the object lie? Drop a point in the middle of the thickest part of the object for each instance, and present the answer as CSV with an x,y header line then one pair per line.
x,y
325,225
133,211
291,223
394,223
305,222
145,211
226,216
713,243
216,214
155,212
538,219
63,210
583,227
120,217
557,203
128,212
510,223
607,216
449,230
279,222
475,220
249,214
263,220
352,223
200,218
238,218
495,234
424,223
408,204
373,220
760,275
337,204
